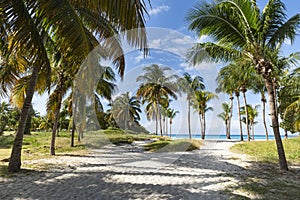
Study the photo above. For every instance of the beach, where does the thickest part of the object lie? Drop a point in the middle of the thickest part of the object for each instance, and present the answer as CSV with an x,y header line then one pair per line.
x,y
128,173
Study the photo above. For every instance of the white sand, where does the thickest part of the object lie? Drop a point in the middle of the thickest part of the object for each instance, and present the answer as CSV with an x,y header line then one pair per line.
x,y
128,173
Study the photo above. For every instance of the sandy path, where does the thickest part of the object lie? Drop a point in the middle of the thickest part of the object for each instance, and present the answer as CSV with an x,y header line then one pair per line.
x,y
126,173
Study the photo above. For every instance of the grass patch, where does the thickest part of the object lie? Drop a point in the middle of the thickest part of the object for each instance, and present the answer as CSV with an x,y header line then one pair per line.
x,y
266,151
167,145
118,136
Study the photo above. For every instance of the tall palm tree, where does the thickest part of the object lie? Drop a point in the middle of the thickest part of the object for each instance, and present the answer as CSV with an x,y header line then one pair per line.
x,y
171,113
241,30
199,103
72,23
225,116
229,81
259,87
157,86
125,110
189,86
225,84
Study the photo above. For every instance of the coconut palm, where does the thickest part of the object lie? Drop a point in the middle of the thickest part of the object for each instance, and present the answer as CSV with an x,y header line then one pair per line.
x,y
252,114
225,116
157,87
241,30
190,85
228,80
171,113
225,84
72,24
125,110
199,103
259,87
289,90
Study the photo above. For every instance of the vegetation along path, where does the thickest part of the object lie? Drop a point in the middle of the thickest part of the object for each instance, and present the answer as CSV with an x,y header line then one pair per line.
x,y
126,172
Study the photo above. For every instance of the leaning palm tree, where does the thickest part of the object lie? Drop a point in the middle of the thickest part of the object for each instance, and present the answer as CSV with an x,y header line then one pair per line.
x,y
199,103
190,85
73,24
241,30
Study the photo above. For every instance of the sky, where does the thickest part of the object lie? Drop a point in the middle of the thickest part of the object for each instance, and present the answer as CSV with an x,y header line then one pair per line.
x,y
169,38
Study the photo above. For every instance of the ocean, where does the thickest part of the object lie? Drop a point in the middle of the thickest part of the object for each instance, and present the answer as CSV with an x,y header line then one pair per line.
x,y
233,137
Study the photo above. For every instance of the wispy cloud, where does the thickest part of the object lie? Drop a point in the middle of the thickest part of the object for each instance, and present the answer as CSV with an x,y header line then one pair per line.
x,y
159,9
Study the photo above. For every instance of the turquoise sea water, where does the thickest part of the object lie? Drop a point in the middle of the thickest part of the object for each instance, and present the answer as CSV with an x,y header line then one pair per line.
x,y
233,137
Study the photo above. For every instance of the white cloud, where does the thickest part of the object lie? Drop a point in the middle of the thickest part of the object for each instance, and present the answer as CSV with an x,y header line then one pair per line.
x,y
159,9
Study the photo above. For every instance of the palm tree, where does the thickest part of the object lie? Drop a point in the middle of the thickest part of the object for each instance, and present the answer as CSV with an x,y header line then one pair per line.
x,y
241,30
259,87
171,113
252,113
289,90
226,85
228,80
157,87
189,86
125,110
199,103
225,115
72,24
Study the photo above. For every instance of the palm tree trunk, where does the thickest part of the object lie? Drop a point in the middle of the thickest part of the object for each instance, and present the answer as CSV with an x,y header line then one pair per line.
x,y
285,134
160,124
275,123
72,133
263,99
170,128
166,126
247,116
15,157
230,116
189,118
28,122
252,128
55,124
201,126
204,126
239,115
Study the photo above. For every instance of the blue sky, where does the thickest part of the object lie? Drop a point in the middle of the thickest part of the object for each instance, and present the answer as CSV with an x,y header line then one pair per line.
x,y
169,38
167,16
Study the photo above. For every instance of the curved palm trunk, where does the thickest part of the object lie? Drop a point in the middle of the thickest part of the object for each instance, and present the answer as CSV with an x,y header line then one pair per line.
x,y
15,157
239,115
55,125
230,117
275,123
263,99
189,118
247,116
